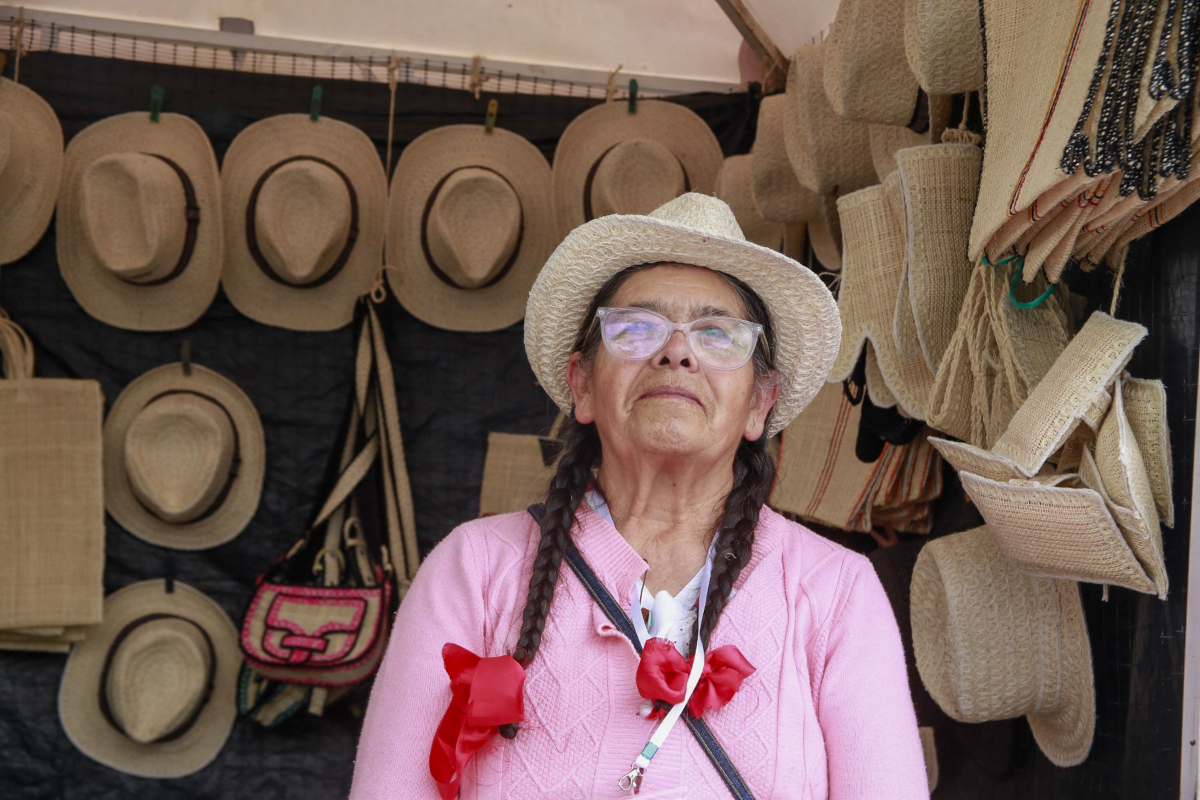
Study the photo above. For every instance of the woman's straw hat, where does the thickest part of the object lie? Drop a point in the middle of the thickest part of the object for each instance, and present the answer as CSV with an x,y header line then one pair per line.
x,y
609,161
694,229
31,159
470,223
304,217
139,221
150,691
184,458
735,186
993,643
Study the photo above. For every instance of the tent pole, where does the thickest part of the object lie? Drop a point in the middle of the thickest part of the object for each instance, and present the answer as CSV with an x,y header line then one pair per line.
x,y
774,64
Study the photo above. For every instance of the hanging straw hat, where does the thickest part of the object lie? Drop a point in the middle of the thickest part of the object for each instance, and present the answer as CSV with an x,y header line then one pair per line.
x,y
693,229
830,155
470,223
735,187
151,691
866,76
31,159
611,161
304,221
139,221
184,458
993,643
944,45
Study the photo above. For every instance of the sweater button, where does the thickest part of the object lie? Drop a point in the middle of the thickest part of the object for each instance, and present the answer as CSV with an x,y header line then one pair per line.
x,y
646,707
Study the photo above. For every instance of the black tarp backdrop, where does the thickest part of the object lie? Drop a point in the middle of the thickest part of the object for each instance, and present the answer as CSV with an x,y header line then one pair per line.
x,y
453,389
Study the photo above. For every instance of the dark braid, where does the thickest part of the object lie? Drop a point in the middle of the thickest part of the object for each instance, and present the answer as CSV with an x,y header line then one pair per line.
x,y
752,475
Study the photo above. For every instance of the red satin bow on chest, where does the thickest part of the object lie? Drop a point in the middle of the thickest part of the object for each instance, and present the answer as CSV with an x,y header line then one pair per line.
x,y
486,693
662,675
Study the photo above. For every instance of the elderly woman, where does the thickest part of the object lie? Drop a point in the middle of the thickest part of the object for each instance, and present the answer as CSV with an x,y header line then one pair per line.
x,y
551,653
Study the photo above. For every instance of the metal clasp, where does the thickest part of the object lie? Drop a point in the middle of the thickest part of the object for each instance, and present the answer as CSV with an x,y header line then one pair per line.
x,y
632,780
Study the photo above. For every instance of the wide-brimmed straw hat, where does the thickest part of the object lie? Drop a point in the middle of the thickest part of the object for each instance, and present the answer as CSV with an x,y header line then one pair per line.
x,y
184,458
609,161
693,229
304,221
151,690
735,186
994,643
470,223
866,75
31,159
139,221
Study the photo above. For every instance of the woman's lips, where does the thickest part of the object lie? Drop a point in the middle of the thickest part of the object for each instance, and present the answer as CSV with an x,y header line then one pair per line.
x,y
672,391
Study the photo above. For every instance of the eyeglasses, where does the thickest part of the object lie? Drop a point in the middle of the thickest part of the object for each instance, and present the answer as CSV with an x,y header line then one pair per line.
x,y
635,334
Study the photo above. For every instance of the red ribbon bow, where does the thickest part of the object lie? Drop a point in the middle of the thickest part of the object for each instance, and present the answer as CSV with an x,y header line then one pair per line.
x,y
486,693
663,672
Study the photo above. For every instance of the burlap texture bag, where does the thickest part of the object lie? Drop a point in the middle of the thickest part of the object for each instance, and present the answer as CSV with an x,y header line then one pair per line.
x,y
51,494
516,471
866,75
944,45
831,155
994,643
877,388
1040,63
1070,389
1146,411
939,184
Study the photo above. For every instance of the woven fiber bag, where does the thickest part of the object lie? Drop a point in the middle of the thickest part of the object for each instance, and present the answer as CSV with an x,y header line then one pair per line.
x,y
994,643
517,469
866,75
1146,411
51,501
944,45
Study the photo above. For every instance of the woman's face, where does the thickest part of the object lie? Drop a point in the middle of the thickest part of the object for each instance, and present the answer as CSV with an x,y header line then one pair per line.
x,y
671,403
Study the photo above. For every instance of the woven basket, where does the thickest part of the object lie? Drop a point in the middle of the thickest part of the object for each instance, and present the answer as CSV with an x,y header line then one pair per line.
x,y
1146,411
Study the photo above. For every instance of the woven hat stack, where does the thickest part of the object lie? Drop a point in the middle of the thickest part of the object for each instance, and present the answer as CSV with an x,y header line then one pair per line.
x,y
470,223
140,240
1067,491
866,76
992,642
151,691
184,458
735,186
610,160
31,160
51,502
943,44
304,205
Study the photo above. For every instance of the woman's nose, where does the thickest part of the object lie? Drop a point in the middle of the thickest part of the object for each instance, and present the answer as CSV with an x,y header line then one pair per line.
x,y
677,353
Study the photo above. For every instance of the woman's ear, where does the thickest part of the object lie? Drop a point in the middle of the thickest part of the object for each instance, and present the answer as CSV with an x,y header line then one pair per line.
x,y
579,378
766,392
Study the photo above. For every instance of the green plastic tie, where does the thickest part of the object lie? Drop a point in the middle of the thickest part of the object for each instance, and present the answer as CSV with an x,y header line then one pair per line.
x,y
1012,293
314,105
156,101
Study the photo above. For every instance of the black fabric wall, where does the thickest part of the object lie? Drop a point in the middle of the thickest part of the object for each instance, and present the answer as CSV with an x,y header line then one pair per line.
x,y
453,389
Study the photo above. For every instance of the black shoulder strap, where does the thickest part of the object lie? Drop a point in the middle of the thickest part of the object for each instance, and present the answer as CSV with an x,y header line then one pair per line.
x,y
617,616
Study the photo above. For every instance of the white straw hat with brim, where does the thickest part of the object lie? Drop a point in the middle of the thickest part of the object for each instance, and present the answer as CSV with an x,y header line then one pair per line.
x,y
943,44
304,221
151,690
139,221
735,186
994,643
470,223
1033,104
830,155
184,458
609,161
866,76
31,159
694,229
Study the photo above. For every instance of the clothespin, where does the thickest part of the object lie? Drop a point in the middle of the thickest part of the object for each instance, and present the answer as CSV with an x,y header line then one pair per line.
x,y
185,357
314,105
610,89
478,78
489,122
156,101
633,95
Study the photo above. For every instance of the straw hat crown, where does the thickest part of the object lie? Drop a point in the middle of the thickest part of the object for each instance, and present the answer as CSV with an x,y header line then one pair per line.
x,y
303,220
31,160
474,226
636,177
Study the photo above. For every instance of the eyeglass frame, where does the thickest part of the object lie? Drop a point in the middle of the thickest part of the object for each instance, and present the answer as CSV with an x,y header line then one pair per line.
x,y
686,328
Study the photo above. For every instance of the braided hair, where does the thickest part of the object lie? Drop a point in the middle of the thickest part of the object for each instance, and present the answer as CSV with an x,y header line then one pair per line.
x,y
753,473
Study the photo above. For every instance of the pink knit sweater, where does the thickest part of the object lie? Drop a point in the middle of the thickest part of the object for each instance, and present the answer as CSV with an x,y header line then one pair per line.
x,y
827,713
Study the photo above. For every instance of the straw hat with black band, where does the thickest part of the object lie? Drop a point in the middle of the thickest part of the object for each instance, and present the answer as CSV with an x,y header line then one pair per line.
x,y
304,221
470,223
151,690
699,230
184,458
31,159
139,221
611,161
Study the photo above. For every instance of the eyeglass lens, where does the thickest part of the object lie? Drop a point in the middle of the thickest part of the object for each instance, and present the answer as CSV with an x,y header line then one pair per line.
x,y
718,342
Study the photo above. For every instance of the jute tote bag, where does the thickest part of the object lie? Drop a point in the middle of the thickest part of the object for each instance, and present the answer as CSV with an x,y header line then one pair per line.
x,y
51,493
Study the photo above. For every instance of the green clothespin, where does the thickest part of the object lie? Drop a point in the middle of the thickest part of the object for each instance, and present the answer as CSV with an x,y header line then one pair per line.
x,y
490,121
314,106
633,95
156,101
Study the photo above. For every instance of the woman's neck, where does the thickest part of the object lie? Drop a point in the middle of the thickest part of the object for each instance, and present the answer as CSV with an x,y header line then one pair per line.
x,y
668,511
